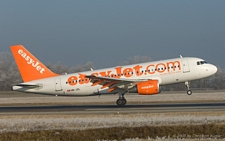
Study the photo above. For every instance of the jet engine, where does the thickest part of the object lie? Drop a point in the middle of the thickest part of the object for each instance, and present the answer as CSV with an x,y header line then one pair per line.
x,y
146,88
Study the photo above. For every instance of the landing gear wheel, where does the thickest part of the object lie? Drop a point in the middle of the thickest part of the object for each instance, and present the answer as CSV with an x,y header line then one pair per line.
x,y
121,102
189,92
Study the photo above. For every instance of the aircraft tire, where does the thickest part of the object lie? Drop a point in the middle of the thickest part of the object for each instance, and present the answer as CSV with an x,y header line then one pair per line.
x,y
189,92
121,102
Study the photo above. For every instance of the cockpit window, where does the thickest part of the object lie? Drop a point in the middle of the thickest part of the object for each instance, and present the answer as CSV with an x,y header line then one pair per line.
x,y
201,62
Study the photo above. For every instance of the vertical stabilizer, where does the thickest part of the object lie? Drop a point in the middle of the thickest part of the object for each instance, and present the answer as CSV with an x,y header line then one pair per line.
x,y
29,66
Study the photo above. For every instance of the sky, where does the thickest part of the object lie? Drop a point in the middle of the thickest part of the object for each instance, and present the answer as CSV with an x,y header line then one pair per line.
x,y
107,32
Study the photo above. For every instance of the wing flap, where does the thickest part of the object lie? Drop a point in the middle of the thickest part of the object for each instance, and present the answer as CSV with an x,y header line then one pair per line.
x,y
93,77
113,83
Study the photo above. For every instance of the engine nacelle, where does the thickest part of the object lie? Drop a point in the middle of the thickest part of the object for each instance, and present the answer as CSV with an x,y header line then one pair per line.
x,y
146,88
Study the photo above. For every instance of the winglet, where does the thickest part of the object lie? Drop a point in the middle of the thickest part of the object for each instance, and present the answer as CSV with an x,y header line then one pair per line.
x,y
29,66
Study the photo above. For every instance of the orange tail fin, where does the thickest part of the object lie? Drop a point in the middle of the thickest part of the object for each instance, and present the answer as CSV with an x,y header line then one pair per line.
x,y
29,66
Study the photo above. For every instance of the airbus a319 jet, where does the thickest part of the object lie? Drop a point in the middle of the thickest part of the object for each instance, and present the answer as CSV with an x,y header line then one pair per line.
x,y
142,78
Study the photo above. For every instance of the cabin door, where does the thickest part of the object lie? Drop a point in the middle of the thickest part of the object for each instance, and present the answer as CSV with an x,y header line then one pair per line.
x,y
58,86
185,66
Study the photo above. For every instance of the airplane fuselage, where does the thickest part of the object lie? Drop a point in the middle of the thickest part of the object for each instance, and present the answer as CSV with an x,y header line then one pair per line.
x,y
165,71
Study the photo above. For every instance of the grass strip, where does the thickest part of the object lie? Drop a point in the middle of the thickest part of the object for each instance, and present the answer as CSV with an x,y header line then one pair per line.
x,y
213,131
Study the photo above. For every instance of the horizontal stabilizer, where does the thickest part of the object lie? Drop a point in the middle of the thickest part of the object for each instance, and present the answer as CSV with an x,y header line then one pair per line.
x,y
28,85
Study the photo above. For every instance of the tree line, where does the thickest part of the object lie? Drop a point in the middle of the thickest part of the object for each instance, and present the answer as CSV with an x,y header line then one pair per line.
x,y
9,73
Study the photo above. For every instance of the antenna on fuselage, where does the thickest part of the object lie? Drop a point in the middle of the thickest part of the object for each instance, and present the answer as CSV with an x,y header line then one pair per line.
x,y
181,56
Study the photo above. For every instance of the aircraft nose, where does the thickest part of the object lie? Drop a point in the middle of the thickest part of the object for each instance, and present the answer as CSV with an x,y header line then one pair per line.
x,y
213,69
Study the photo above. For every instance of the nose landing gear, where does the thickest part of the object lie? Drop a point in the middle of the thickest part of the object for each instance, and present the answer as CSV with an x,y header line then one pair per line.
x,y
189,92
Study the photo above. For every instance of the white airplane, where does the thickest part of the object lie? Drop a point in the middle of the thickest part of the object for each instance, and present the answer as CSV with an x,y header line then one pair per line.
x,y
142,78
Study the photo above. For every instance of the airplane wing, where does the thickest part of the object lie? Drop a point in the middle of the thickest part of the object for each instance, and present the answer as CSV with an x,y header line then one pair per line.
x,y
113,83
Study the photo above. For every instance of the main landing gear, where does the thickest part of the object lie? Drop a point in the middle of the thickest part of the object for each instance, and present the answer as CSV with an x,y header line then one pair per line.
x,y
121,101
189,92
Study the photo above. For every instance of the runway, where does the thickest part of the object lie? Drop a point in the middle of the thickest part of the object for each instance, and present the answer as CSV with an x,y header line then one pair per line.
x,y
113,109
